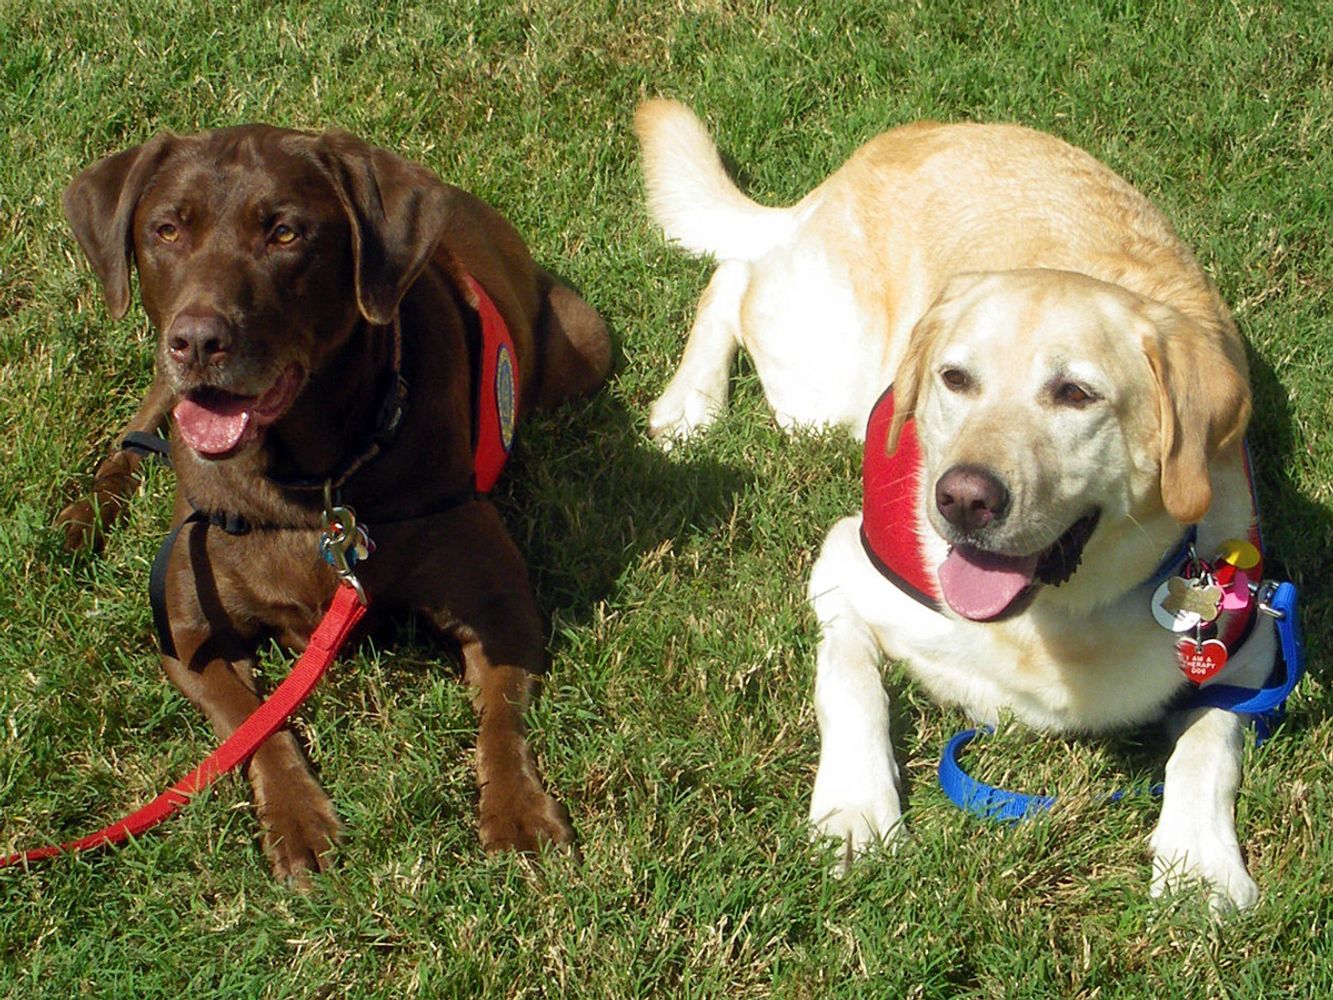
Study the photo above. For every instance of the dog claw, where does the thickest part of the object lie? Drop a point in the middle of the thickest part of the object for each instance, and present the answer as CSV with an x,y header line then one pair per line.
x,y
81,527
1219,867
859,831
300,832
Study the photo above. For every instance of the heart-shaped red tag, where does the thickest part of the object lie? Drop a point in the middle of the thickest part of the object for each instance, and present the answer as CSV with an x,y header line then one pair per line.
x,y
1201,662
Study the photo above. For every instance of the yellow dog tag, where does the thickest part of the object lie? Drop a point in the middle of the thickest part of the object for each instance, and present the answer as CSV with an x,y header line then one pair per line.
x,y
1239,553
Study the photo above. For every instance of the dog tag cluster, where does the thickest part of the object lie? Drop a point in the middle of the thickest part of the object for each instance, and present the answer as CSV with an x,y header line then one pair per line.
x,y
344,543
1203,591
347,543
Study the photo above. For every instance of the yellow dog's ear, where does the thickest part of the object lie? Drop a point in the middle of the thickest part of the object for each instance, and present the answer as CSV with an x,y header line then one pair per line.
x,y
907,380
912,373
1203,403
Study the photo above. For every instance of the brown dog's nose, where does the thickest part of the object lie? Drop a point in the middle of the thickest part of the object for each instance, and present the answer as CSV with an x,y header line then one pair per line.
x,y
198,340
971,497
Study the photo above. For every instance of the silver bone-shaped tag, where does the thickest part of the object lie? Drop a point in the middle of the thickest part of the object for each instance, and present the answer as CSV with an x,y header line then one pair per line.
x,y
1195,596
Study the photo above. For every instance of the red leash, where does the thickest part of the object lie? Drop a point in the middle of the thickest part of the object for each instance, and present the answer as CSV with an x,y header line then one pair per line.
x,y
332,631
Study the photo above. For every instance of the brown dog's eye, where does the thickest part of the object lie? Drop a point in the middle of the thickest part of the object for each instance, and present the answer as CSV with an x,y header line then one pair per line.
x,y
1072,395
168,233
955,379
282,234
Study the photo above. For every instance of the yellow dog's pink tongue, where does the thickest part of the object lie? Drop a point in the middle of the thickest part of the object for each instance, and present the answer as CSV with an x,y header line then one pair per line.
x,y
213,426
981,585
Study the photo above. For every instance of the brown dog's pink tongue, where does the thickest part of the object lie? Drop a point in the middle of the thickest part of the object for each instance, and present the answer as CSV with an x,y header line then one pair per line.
x,y
981,585
213,426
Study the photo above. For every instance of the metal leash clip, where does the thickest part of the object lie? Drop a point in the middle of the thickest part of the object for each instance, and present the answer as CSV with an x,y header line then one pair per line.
x,y
342,542
1266,599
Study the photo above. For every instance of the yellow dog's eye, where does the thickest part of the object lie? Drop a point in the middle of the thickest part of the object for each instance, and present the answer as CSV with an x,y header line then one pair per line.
x,y
1071,394
168,233
955,379
283,234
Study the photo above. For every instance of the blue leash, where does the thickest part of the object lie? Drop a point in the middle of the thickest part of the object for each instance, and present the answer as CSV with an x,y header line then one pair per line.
x,y
1264,706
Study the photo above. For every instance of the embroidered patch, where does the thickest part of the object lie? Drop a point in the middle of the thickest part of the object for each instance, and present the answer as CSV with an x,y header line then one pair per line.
x,y
506,411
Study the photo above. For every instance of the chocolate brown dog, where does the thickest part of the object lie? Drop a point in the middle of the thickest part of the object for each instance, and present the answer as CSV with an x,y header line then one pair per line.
x,y
319,326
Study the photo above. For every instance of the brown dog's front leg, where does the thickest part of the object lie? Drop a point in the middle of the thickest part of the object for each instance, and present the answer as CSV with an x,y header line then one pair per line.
x,y
299,823
516,812
483,601
87,520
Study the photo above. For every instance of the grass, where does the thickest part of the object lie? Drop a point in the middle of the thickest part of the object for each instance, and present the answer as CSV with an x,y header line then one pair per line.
x,y
676,724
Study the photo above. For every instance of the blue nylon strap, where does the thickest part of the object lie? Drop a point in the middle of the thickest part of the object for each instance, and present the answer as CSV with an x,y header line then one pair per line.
x,y
1264,706
979,798
999,804
1247,701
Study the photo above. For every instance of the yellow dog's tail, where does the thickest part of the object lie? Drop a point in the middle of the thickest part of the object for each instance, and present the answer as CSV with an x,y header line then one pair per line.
x,y
690,195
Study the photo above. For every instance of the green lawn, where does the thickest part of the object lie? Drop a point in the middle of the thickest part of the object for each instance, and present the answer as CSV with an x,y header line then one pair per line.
x,y
676,724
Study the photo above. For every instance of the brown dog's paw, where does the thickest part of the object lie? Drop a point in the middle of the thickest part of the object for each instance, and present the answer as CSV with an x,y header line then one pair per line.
x,y
85,522
301,828
523,818
82,526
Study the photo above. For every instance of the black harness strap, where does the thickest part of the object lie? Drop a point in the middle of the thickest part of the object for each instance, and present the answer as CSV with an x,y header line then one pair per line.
x,y
147,445
232,524
236,524
157,586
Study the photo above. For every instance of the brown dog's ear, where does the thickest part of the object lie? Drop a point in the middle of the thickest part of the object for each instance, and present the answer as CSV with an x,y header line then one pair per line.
x,y
1203,404
99,204
398,212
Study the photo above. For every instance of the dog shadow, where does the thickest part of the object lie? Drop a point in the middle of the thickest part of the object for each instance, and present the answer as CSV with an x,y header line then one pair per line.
x,y
1297,531
592,495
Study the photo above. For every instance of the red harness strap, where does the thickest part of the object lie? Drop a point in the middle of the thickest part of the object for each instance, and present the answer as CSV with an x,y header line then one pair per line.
x,y
497,393
333,630
890,487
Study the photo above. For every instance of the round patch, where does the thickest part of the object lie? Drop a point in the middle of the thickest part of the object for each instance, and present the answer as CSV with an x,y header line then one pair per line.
x,y
505,407
1239,553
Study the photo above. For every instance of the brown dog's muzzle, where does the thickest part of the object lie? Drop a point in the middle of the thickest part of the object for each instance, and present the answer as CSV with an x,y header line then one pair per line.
x,y
198,341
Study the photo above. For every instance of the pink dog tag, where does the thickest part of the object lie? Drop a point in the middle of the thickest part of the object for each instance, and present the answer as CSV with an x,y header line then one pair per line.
x,y
1236,592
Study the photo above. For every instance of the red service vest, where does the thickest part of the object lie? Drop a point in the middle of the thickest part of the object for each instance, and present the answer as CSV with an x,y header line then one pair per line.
x,y
497,393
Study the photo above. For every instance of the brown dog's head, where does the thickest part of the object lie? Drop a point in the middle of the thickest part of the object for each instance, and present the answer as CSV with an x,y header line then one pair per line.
x,y
1058,413
260,250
